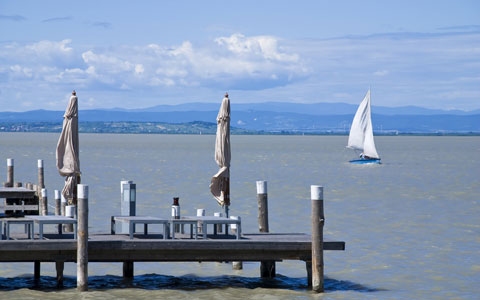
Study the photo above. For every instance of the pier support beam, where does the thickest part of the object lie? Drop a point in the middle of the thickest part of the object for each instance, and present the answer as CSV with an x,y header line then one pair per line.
x,y
318,221
82,238
36,269
267,267
59,266
128,269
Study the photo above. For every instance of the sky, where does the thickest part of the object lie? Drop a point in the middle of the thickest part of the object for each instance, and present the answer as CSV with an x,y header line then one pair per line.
x,y
139,54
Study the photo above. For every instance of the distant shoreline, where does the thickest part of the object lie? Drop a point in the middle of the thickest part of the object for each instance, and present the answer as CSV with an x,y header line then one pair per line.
x,y
197,127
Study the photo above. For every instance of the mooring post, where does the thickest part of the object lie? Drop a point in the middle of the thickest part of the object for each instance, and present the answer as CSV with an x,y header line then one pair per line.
x,y
318,221
41,177
44,203
58,208
63,205
82,237
267,267
10,163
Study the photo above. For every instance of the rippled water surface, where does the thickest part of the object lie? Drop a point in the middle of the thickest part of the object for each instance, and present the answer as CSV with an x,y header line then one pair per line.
x,y
410,225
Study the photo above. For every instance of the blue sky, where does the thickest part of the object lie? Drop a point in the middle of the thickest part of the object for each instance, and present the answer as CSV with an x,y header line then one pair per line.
x,y
137,54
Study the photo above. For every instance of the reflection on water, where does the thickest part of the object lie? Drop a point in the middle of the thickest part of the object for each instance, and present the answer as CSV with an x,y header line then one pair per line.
x,y
183,283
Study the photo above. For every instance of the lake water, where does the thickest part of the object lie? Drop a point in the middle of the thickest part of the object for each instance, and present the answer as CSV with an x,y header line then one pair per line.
x,y
411,225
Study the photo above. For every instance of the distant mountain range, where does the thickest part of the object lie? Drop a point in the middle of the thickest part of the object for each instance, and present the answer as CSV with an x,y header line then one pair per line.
x,y
274,117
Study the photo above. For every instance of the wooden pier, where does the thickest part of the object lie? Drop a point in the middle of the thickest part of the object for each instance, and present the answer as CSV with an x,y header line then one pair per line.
x,y
81,247
153,248
120,248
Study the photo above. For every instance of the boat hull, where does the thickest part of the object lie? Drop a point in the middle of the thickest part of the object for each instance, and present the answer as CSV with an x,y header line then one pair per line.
x,y
365,161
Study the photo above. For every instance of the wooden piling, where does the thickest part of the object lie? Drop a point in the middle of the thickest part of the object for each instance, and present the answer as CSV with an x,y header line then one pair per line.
x,y
267,268
82,237
58,208
43,203
10,172
41,177
63,205
262,200
318,221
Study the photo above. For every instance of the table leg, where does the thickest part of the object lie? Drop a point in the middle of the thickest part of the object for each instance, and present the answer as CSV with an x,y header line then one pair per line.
x,y
131,226
112,225
7,231
40,231
239,231
30,231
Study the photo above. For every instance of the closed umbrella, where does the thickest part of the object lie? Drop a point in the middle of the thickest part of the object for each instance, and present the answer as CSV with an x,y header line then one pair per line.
x,y
220,183
67,154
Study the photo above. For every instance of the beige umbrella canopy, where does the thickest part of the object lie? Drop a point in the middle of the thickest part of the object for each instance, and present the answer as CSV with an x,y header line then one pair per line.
x,y
67,154
220,183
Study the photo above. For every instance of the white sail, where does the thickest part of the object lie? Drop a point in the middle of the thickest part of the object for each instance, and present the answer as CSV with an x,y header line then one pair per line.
x,y
361,131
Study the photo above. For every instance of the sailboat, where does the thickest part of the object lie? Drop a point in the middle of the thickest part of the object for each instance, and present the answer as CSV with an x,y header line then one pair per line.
x,y
361,135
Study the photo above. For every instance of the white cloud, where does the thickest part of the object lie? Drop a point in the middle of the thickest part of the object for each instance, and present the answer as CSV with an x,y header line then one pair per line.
x,y
259,68
20,72
258,46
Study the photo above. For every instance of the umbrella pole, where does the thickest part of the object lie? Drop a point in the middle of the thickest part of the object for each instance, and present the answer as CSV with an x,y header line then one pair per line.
x,y
227,198
226,216
226,211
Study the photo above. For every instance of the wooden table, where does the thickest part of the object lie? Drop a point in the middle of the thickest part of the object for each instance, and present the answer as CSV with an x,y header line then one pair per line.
x,y
10,221
44,220
145,220
205,220
183,221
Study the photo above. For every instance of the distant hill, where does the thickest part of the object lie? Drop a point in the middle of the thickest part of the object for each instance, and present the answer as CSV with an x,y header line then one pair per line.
x,y
274,117
301,108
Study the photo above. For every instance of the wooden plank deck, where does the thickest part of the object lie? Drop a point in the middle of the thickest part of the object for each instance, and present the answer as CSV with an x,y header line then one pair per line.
x,y
153,248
